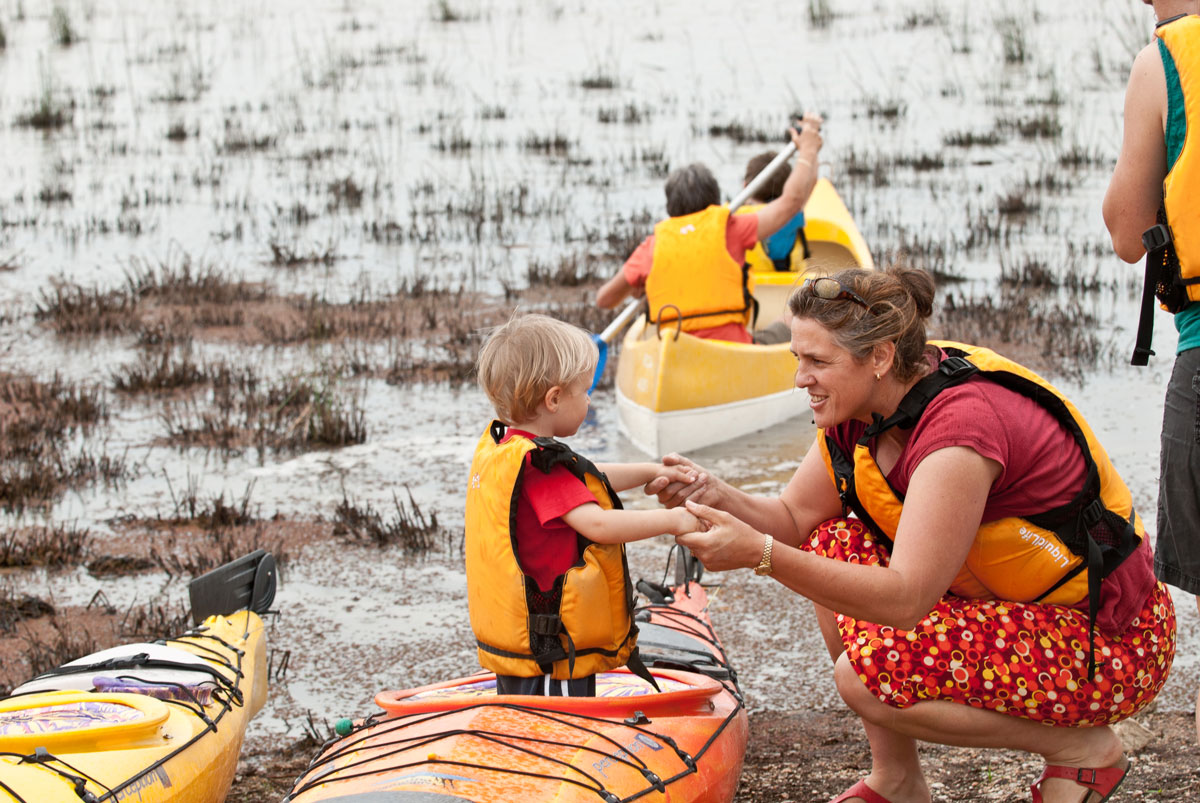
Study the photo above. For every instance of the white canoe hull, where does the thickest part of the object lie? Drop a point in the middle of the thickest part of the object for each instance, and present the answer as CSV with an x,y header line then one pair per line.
x,y
684,431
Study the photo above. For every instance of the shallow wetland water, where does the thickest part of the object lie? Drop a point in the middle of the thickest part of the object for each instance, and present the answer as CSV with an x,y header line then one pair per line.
x,y
262,237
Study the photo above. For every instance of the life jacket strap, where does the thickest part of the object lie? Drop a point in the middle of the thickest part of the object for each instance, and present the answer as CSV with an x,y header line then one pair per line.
x,y
638,667
1156,240
953,370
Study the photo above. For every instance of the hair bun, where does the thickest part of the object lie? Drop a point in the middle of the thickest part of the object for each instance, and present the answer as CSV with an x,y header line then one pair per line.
x,y
919,286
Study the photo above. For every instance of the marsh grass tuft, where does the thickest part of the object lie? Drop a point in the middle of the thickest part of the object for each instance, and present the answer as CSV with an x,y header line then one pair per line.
x,y
1017,201
972,139
52,546
293,254
36,421
47,111
294,413
62,30
1080,156
211,514
160,372
820,14
15,607
555,144
118,565
190,557
742,133
1030,325
414,531
572,270
446,12
599,80
1014,39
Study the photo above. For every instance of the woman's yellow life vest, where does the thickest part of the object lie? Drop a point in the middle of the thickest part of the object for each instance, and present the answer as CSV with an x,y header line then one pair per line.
x,y
1181,38
693,277
757,258
591,629
1057,556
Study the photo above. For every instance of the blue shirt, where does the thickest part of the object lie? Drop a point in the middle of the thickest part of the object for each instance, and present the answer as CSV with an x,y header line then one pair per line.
x,y
780,244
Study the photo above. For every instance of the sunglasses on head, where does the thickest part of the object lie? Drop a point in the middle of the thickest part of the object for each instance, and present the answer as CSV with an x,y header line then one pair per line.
x,y
829,289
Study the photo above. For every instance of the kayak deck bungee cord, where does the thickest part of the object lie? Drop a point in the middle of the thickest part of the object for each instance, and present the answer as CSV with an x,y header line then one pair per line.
x,y
155,721
460,741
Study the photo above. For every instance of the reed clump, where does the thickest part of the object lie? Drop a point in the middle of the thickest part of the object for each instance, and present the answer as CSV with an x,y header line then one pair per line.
x,y
52,546
414,531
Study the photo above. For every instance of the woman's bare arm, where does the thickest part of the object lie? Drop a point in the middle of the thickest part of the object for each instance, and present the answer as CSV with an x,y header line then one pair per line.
x,y
942,512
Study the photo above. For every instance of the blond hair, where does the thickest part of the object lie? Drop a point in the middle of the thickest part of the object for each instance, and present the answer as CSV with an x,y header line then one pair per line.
x,y
524,358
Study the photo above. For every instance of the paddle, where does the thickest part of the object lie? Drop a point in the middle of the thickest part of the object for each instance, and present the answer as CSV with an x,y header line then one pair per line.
x,y
632,307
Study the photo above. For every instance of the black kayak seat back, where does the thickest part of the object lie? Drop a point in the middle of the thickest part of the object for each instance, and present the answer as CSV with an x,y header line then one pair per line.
x,y
245,583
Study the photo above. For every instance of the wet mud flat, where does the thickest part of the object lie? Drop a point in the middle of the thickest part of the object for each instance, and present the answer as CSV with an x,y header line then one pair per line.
x,y
246,257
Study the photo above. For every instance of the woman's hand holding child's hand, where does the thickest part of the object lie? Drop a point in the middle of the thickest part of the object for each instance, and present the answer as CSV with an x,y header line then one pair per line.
x,y
723,541
679,480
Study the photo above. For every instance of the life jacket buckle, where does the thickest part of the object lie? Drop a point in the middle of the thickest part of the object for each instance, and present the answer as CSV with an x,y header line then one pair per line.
x,y
1156,238
956,367
1092,514
545,624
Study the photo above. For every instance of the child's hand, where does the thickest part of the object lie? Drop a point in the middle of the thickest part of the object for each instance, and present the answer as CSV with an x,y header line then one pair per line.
x,y
687,522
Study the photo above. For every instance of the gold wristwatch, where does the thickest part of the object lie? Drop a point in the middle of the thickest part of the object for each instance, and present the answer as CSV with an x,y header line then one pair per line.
x,y
764,565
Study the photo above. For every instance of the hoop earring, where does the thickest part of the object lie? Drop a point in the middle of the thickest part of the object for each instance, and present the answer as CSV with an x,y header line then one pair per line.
x,y
877,377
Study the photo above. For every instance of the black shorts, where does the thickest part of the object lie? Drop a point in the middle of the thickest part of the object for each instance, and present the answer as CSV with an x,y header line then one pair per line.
x,y
546,686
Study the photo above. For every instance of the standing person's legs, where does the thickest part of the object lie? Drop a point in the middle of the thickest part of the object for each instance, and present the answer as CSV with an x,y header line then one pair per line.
x,y
1177,551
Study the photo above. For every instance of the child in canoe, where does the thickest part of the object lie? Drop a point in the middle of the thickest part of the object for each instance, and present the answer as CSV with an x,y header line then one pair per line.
x,y
548,588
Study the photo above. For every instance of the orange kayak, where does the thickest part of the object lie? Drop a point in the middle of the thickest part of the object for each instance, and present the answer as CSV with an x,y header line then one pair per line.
x,y
460,741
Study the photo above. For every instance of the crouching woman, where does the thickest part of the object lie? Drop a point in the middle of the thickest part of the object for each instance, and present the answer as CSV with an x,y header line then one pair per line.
x,y
994,588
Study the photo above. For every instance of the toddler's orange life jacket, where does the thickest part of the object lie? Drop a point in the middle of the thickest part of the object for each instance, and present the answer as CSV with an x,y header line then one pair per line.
x,y
591,628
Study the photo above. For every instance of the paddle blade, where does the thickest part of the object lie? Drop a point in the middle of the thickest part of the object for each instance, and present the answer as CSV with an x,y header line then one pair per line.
x,y
601,360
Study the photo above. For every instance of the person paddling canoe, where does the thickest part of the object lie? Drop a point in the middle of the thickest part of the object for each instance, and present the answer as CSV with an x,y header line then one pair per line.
x,y
691,268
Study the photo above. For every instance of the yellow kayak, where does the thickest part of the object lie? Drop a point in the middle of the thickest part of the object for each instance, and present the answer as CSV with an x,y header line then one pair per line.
x,y
676,392
145,722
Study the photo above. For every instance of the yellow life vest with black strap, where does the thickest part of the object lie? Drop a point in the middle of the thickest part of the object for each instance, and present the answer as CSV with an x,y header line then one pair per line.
x,y
591,628
692,275
1058,556
1173,243
760,261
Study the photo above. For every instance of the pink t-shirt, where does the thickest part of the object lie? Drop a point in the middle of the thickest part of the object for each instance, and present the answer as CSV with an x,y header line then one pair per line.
x,y
1041,468
1040,465
741,235
546,545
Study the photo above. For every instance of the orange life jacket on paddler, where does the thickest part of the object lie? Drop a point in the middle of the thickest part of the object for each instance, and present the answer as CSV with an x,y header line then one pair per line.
x,y
591,627
693,277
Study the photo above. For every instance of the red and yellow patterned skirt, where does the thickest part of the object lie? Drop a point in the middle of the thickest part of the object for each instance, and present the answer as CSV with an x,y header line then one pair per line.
x,y
1022,659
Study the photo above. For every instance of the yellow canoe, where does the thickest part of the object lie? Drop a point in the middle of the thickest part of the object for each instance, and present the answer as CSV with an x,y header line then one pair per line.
x,y
145,722
676,392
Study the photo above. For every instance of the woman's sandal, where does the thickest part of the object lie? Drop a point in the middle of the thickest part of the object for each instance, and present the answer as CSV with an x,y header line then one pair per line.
x,y
861,790
1101,783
